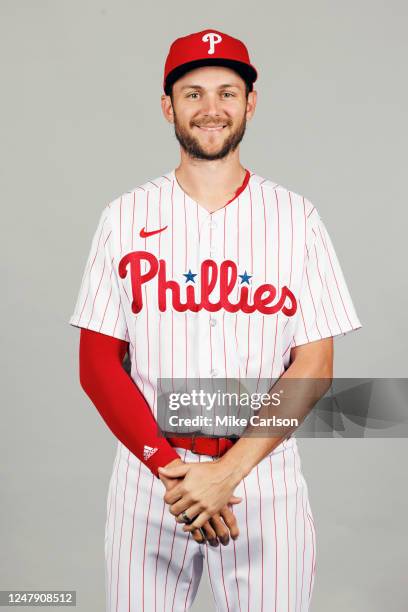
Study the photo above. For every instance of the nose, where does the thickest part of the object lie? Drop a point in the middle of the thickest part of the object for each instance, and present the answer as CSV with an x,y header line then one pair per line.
x,y
211,106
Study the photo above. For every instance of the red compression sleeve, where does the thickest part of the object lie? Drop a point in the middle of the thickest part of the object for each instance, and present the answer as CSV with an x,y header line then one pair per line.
x,y
119,400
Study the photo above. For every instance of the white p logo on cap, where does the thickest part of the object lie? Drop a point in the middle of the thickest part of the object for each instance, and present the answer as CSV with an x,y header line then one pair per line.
x,y
213,39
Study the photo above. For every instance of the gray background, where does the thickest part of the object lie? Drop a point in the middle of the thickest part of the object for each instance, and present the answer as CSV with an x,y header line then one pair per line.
x,y
81,123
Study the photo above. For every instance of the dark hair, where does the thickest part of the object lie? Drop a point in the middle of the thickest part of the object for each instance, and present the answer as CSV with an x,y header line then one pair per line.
x,y
248,88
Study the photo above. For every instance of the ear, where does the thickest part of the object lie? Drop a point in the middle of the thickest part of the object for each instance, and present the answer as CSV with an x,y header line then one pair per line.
x,y
167,108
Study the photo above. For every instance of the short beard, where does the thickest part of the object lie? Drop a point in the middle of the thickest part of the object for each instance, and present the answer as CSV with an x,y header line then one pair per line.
x,y
193,148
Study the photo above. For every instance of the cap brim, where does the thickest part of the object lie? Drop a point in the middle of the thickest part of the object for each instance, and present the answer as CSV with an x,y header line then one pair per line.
x,y
246,71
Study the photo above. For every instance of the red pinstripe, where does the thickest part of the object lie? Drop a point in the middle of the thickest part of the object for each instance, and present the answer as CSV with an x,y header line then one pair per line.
x,y
235,563
276,538
181,569
277,213
321,280
305,232
136,366
117,318
188,590
99,284
198,224
250,288
126,293
304,546
247,535
330,297
287,522
115,470
314,306
113,536
209,573
121,531
274,349
248,338
107,303
168,565
114,521
260,526
303,320
144,546
223,581
296,542
157,556
131,539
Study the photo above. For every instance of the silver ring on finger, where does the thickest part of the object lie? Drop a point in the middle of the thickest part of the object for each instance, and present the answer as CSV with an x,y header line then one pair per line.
x,y
186,518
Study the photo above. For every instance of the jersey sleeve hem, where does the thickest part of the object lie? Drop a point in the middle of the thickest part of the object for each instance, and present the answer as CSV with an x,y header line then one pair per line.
x,y
314,336
96,326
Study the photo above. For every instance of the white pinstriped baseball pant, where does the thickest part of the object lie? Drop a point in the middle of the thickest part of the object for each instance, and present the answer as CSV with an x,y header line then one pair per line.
x,y
152,565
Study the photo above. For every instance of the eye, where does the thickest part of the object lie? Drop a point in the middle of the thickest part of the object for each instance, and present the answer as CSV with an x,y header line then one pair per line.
x,y
194,93
228,93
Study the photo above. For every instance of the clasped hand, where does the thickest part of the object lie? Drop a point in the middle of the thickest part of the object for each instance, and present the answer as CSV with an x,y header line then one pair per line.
x,y
204,492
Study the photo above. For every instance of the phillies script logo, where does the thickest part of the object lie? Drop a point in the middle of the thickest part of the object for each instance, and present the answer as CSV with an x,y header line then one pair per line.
x,y
263,299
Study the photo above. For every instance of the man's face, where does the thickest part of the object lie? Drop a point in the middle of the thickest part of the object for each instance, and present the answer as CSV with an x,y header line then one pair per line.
x,y
210,111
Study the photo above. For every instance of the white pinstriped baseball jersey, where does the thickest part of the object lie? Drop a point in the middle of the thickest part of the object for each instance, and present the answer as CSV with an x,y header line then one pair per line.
x,y
225,295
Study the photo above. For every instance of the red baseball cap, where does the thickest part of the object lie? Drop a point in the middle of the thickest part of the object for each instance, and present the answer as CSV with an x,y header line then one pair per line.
x,y
207,48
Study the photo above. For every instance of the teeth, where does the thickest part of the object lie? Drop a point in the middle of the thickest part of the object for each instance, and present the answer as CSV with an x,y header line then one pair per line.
x,y
219,127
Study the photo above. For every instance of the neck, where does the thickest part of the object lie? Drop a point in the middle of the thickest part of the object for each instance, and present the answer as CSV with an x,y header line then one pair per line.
x,y
212,183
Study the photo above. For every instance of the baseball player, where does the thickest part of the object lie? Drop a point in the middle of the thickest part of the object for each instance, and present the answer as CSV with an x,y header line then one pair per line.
x,y
207,271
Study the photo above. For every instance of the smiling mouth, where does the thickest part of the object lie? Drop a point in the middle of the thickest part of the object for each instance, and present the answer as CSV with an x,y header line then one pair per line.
x,y
217,128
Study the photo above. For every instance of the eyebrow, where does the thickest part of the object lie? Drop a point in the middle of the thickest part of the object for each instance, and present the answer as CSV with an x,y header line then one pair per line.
x,y
219,87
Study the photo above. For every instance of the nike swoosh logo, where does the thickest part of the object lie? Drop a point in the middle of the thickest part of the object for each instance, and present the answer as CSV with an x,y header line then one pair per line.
x,y
145,234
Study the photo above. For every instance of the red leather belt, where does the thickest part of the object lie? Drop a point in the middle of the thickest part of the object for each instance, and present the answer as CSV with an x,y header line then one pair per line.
x,y
215,447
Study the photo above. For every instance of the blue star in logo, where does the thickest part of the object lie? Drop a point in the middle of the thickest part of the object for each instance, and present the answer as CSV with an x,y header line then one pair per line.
x,y
245,277
190,276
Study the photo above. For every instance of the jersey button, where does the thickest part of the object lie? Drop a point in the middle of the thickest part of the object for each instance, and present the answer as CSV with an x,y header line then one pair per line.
x,y
213,322
213,224
214,372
